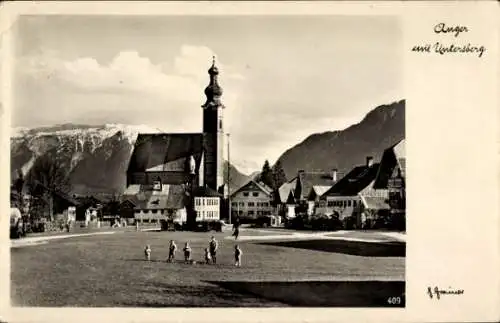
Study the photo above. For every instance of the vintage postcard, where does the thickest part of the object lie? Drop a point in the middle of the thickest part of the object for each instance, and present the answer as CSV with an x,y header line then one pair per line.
x,y
268,161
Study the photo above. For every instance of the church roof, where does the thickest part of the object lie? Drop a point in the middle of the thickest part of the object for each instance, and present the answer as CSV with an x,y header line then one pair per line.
x,y
170,197
165,151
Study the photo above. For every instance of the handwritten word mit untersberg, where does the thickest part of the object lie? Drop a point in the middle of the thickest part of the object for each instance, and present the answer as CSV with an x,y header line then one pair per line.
x,y
444,49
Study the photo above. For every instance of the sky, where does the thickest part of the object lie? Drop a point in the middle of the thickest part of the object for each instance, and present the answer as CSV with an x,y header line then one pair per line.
x,y
284,77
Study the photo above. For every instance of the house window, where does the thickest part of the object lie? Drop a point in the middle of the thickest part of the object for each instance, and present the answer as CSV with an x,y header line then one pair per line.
x,y
354,203
250,212
255,194
265,204
234,204
250,203
349,203
154,211
331,203
245,194
242,203
157,185
137,211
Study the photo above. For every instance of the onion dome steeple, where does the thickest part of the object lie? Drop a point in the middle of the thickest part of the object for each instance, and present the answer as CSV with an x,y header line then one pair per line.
x,y
213,91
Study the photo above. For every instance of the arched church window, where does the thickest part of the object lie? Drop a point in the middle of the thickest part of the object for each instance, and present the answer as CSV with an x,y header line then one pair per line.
x,y
220,124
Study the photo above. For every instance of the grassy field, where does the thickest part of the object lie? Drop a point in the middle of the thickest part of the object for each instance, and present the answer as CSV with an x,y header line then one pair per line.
x,y
109,270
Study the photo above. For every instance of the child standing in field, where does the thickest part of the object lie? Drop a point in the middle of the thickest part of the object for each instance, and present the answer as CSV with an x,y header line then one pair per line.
x,y
147,252
212,246
171,251
207,256
187,253
237,256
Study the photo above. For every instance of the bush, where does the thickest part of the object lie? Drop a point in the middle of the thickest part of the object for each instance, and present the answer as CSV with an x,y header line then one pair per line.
x,y
263,221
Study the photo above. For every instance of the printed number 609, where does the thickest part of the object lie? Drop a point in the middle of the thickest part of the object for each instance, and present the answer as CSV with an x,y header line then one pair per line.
x,y
394,300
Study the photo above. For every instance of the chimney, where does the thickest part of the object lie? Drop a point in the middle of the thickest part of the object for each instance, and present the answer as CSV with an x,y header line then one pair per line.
x,y
369,161
334,174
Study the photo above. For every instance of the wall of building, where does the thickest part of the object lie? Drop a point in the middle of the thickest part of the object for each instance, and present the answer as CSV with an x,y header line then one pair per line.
x,y
251,204
154,215
338,204
207,208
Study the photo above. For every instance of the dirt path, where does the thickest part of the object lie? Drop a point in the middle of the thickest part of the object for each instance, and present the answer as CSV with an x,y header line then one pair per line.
x,y
376,237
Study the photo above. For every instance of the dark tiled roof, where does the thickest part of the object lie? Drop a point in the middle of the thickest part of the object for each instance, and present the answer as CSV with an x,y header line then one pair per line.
x,y
310,179
172,198
164,151
392,157
206,191
354,182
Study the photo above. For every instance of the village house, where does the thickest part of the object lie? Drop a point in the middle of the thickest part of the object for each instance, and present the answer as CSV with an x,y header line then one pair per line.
x,y
316,191
166,169
353,198
251,201
392,177
286,207
311,181
207,204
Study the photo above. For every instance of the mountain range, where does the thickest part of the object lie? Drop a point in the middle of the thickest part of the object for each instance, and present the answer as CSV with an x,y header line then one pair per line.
x,y
343,149
96,157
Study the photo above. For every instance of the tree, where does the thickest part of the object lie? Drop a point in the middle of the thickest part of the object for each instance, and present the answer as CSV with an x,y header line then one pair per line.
x,y
266,176
46,177
279,177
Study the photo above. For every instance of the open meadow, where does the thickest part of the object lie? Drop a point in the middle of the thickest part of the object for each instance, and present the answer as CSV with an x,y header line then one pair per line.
x,y
109,270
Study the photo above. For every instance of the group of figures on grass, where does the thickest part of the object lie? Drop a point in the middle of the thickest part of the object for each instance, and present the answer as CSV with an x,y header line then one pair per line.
x,y
210,253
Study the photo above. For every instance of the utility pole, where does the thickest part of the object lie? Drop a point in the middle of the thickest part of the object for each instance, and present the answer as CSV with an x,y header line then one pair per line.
x,y
228,179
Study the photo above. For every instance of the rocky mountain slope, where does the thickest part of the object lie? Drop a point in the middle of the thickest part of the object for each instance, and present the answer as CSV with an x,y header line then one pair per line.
x,y
95,157
344,149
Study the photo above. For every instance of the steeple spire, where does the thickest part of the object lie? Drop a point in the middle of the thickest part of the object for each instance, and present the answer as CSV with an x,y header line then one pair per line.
x,y
213,91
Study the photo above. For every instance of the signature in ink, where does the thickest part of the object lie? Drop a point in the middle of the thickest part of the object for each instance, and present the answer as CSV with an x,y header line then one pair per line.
x,y
437,292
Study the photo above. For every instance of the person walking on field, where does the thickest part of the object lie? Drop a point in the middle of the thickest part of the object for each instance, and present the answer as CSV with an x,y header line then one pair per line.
x,y
147,252
187,253
207,256
171,251
237,256
212,246
236,228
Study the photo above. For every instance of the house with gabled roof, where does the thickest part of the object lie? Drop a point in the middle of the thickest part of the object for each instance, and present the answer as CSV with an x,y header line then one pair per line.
x,y
252,200
392,176
306,180
286,191
353,194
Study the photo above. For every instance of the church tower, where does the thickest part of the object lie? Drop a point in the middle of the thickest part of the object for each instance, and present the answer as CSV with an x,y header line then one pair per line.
x,y
213,132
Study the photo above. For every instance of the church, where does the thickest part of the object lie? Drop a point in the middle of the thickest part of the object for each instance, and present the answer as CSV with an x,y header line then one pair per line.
x,y
180,175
